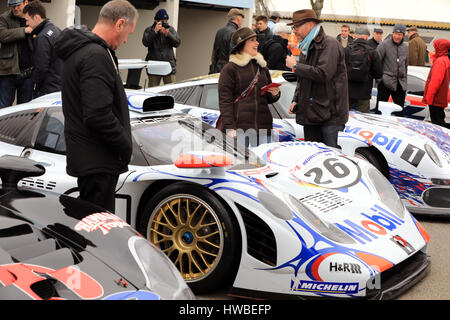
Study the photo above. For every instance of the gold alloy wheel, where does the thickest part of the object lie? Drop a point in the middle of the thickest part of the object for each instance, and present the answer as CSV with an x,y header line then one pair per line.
x,y
188,231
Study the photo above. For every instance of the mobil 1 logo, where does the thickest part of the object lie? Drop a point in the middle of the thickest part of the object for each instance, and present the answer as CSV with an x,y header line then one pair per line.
x,y
413,155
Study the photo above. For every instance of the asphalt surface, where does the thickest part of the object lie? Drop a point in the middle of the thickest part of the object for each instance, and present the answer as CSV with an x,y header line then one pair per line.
x,y
436,284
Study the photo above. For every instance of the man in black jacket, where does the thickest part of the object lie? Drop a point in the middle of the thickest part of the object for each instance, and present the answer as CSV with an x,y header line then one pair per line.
x,y
47,66
95,106
363,65
222,41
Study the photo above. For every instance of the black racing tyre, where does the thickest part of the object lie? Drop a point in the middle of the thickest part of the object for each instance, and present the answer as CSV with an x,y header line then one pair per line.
x,y
377,160
195,230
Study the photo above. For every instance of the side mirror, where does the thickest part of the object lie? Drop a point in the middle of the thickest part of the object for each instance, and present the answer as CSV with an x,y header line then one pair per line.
x,y
387,108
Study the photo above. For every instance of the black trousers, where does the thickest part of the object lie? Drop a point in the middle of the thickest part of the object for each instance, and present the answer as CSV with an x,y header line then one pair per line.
x,y
326,134
99,189
398,97
437,116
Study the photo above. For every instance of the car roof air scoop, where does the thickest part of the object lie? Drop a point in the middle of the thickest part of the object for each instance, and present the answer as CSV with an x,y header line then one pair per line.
x,y
13,169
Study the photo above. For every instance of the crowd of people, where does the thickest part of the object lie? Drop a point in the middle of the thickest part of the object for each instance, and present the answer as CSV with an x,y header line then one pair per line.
x,y
334,74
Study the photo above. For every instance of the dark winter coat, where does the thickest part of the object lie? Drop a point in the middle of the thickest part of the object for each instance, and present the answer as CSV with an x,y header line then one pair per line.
x,y
274,52
373,43
363,90
47,66
95,107
12,37
251,112
160,47
436,88
263,36
222,47
394,61
322,87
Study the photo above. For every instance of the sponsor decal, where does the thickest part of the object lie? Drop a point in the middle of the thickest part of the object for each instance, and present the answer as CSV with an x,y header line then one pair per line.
x,y
376,224
325,287
413,155
390,144
402,243
345,267
102,221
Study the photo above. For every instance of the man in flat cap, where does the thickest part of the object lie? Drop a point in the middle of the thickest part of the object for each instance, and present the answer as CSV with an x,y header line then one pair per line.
x,y
320,102
15,55
417,47
222,41
377,37
363,65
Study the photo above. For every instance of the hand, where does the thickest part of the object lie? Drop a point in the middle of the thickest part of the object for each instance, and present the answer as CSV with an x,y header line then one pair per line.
x,y
274,91
292,107
158,26
290,62
28,30
231,133
165,31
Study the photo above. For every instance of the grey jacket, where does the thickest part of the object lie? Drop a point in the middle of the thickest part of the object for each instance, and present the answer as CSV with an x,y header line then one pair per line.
x,y
394,59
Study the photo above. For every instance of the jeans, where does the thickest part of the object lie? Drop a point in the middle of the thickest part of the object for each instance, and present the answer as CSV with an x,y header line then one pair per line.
x,y
8,87
155,80
326,134
251,138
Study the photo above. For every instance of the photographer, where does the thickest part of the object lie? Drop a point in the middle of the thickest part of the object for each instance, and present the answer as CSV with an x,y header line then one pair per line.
x,y
160,39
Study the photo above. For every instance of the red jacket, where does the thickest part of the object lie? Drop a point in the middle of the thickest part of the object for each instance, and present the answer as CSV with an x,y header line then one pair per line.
x,y
436,87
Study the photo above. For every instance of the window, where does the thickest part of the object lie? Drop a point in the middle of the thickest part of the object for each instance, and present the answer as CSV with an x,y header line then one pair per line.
x,y
17,128
210,97
51,133
415,86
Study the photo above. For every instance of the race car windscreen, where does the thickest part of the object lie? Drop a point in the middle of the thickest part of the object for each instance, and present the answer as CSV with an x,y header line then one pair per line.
x,y
163,140
287,92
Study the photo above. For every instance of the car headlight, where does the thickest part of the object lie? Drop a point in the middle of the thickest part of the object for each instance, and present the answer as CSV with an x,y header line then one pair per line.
x,y
161,276
328,230
433,155
386,192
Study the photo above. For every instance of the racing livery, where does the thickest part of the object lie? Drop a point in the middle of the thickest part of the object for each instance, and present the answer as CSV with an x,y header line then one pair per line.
x,y
294,219
414,155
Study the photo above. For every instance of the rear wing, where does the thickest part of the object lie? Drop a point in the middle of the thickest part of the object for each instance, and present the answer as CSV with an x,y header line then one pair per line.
x,y
135,66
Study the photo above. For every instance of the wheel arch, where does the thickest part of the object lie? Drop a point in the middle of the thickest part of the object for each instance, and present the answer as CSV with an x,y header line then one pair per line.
x,y
374,151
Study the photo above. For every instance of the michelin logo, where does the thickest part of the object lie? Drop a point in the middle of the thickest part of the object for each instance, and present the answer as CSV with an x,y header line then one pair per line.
x,y
324,287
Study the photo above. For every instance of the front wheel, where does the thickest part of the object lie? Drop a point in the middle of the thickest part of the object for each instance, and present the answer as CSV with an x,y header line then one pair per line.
x,y
194,229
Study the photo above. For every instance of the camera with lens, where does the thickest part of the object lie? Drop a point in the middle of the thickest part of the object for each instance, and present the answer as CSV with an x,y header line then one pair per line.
x,y
165,25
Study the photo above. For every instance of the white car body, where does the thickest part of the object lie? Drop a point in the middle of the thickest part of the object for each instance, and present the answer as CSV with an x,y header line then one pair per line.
x,y
343,234
413,154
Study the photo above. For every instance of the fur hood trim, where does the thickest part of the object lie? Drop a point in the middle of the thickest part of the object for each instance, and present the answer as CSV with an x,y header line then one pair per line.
x,y
242,59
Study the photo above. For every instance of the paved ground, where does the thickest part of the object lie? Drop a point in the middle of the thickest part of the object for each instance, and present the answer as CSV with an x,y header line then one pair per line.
x,y
435,286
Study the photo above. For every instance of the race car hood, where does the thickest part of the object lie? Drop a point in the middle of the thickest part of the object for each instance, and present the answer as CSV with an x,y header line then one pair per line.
x,y
342,199
91,238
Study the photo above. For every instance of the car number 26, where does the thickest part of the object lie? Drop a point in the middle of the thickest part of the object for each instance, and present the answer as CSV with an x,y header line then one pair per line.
x,y
333,172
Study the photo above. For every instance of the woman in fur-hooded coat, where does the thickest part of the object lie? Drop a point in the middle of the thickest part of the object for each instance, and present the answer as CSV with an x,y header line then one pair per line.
x,y
251,111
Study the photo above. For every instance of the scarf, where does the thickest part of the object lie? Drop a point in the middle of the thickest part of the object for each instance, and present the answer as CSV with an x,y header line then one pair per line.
x,y
304,45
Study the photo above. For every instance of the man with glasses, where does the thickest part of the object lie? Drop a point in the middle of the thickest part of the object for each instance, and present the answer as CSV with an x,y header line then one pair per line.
x,y
15,55
321,105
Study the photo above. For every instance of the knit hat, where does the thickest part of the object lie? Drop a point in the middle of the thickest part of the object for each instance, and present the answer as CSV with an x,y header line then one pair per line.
x,y
378,30
12,3
399,27
161,15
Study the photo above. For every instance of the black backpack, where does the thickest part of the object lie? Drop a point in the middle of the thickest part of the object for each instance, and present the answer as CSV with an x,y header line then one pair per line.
x,y
359,63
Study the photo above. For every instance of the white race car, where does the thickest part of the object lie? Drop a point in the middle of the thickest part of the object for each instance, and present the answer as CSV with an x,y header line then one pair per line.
x,y
293,219
414,155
